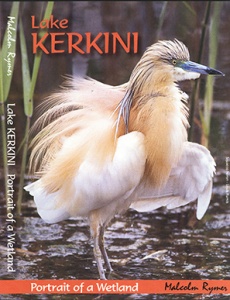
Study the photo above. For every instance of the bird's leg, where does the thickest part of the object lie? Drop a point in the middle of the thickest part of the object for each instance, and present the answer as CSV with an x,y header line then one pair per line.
x,y
102,248
98,253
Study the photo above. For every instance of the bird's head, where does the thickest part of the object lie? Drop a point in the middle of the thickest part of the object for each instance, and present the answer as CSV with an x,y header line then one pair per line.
x,y
175,56
161,65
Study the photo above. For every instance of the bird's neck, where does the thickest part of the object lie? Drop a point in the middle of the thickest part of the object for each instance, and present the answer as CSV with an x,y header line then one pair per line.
x,y
159,112
145,83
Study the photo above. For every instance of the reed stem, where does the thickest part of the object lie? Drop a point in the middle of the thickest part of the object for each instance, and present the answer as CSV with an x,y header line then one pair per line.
x,y
29,84
5,80
208,98
195,92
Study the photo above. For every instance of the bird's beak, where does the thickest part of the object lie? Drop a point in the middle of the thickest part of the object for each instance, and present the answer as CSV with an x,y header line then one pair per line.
x,y
191,66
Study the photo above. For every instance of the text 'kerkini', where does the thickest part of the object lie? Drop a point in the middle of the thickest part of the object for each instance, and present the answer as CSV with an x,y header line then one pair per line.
x,y
70,42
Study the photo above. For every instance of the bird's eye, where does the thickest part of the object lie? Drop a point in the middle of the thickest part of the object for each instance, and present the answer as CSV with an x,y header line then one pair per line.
x,y
174,62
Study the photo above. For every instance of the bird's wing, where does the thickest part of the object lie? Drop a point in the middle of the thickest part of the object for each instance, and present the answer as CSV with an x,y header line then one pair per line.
x,y
93,184
82,165
191,179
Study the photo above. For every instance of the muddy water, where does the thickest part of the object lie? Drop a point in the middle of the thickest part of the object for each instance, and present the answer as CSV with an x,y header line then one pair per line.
x,y
159,245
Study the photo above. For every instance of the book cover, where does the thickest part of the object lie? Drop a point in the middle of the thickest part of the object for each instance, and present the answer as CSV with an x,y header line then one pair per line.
x,y
157,248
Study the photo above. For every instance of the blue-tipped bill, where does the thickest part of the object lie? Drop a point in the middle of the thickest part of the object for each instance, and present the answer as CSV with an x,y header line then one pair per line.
x,y
197,68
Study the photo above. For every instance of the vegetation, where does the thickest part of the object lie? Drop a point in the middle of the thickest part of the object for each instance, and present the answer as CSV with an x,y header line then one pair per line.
x,y
28,82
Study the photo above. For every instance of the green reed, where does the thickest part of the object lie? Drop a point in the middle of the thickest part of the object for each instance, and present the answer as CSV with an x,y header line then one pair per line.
x,y
205,115
29,84
211,21
7,51
195,92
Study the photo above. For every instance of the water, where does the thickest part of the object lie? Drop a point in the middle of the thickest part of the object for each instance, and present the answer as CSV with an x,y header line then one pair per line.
x,y
187,249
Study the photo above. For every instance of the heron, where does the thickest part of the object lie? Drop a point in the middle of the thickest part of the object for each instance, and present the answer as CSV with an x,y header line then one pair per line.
x,y
101,150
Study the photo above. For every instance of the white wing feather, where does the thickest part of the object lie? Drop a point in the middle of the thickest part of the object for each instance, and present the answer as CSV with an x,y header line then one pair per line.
x,y
94,187
191,179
